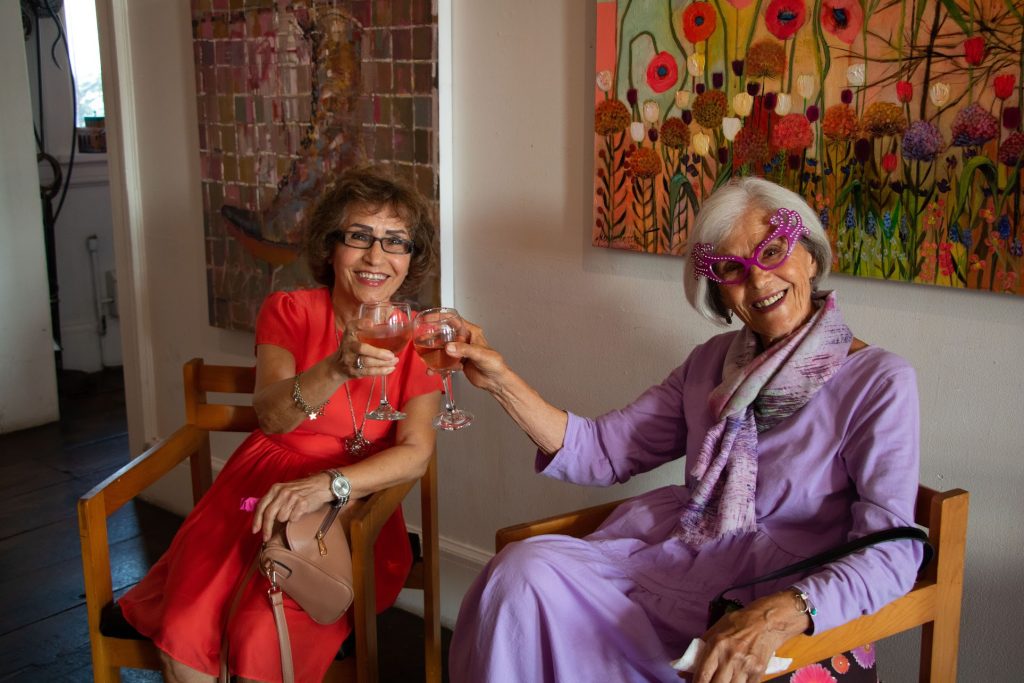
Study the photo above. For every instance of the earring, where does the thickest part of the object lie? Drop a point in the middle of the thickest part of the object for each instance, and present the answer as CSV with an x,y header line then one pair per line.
x,y
728,317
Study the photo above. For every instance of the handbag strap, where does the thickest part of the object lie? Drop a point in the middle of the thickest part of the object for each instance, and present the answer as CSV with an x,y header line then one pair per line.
x,y
276,599
848,548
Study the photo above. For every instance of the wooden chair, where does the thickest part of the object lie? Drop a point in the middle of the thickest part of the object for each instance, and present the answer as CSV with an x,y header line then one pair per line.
x,y
933,604
113,647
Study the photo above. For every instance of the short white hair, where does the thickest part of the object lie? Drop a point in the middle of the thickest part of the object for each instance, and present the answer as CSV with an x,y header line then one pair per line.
x,y
721,214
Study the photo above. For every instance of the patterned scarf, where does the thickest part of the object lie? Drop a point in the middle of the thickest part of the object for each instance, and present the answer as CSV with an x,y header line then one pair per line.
x,y
758,391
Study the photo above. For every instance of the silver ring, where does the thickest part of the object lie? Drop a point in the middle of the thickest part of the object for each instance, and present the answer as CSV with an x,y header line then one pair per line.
x,y
359,362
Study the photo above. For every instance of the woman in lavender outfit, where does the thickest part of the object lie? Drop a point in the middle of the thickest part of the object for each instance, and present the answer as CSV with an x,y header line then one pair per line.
x,y
798,437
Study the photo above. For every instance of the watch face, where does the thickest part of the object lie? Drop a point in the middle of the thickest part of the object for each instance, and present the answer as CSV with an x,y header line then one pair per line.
x,y
340,486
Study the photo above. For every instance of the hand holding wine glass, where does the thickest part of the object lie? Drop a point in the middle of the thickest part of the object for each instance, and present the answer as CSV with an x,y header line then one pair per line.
x,y
436,327
385,325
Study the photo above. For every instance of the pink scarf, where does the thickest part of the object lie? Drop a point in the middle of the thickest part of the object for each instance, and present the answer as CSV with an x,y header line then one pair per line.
x,y
757,392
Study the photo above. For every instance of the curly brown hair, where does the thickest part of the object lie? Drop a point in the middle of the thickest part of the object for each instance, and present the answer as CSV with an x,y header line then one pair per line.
x,y
375,188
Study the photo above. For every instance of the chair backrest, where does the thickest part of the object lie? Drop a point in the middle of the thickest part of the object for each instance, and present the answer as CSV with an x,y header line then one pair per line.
x,y
201,379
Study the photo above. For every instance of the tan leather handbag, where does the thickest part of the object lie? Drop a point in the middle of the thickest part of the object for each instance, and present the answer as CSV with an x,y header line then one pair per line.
x,y
309,559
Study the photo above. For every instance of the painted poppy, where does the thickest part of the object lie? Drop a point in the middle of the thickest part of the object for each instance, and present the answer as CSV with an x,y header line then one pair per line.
x,y
842,18
785,17
699,21
662,72
974,50
1003,85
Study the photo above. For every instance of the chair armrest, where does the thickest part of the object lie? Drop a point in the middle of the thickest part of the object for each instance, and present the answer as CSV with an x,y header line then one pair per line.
x,y
577,523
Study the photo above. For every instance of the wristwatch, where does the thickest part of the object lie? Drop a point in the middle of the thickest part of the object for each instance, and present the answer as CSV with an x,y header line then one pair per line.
x,y
341,487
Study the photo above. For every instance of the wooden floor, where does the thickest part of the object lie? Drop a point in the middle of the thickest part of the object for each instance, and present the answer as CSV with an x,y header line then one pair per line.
x,y
43,471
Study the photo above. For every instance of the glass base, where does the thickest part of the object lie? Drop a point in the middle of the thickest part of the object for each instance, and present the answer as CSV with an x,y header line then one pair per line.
x,y
456,419
385,412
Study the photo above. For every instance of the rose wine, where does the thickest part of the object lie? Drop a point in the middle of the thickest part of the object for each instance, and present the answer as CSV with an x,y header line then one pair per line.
x,y
391,337
431,350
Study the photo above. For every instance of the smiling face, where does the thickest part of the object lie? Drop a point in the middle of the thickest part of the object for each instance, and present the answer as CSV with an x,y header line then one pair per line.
x,y
365,275
772,303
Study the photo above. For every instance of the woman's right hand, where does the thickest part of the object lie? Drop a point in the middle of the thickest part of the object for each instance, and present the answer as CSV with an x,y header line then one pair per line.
x,y
355,359
482,365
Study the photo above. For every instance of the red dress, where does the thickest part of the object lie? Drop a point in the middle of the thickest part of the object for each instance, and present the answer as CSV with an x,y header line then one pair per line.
x,y
181,604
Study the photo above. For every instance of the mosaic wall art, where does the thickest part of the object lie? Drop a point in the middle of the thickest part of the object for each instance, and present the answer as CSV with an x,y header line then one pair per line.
x,y
899,121
289,94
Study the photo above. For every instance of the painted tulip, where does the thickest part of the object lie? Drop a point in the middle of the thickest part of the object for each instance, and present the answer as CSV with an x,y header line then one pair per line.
x,y
652,134
701,144
1003,85
862,150
904,91
742,104
683,98
631,96
737,67
855,75
686,116
723,155
604,81
730,127
717,80
939,93
699,88
770,98
846,96
695,64
805,85
974,50
753,87
889,162
637,131
652,111
783,103
1011,118
813,113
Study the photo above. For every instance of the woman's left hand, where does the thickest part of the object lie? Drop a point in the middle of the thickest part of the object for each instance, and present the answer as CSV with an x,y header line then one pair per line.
x,y
291,500
739,646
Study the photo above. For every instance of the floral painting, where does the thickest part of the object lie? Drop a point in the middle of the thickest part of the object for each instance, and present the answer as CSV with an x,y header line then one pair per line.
x,y
902,131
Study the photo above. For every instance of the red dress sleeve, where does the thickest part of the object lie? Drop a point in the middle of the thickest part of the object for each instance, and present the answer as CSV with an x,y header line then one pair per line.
x,y
283,322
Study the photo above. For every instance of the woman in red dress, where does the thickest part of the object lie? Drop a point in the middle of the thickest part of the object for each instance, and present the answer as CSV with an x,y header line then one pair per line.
x,y
370,238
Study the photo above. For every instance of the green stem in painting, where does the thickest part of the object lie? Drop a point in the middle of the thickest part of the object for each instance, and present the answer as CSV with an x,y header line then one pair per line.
x,y
618,42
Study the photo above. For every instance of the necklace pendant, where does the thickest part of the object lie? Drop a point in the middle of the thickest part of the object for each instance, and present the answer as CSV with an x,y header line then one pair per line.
x,y
357,445
312,416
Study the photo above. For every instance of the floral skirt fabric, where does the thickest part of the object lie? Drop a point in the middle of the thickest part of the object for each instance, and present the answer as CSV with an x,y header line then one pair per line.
x,y
855,666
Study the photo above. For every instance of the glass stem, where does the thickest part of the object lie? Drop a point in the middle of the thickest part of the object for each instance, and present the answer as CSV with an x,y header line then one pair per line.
x,y
449,398
384,390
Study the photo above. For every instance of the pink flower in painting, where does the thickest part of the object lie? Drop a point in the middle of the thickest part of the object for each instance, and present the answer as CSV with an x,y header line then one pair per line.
x,y
974,126
815,673
785,17
842,18
662,72
865,655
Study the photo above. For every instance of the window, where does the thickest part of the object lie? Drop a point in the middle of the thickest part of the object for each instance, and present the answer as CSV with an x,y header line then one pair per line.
x,y
84,47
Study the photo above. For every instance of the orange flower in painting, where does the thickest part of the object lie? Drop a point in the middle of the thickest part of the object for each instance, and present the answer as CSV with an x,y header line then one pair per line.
x,y
840,123
675,134
643,162
611,116
766,59
699,21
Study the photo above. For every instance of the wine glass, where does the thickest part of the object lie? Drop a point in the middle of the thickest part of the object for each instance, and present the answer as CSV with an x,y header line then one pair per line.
x,y
435,327
386,325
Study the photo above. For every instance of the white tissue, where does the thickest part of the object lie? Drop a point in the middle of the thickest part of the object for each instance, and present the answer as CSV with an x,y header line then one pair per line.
x,y
689,659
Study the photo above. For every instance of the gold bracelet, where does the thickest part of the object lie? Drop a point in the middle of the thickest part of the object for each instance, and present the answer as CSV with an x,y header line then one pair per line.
x,y
312,412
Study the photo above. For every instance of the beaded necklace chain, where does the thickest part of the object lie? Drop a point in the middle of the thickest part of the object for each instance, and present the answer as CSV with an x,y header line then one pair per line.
x,y
357,445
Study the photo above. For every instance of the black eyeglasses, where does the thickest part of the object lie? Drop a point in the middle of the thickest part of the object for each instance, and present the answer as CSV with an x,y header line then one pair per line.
x,y
359,239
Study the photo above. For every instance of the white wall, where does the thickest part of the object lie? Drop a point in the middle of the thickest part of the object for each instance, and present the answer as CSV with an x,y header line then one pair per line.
x,y
28,383
589,327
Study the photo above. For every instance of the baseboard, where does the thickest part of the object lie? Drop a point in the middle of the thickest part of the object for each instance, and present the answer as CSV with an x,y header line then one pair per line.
x,y
460,564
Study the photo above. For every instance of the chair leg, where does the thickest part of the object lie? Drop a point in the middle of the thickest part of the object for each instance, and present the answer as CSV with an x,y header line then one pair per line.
x,y
106,674
431,575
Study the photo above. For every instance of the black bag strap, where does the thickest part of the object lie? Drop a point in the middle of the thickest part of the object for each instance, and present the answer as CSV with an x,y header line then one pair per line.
x,y
833,554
